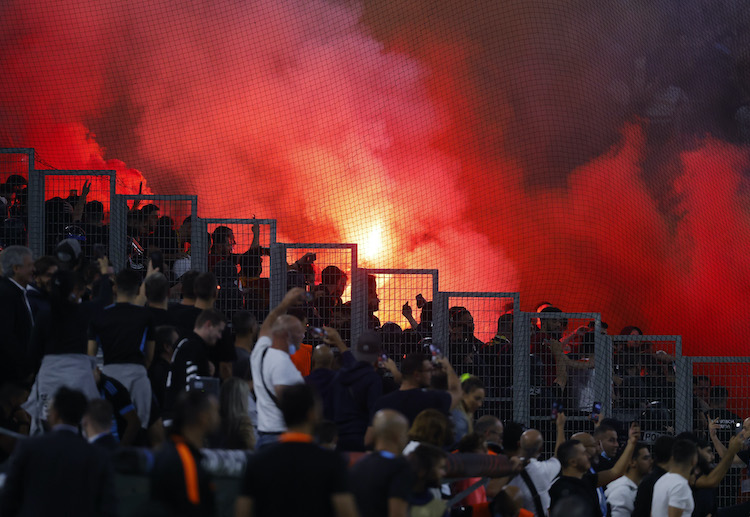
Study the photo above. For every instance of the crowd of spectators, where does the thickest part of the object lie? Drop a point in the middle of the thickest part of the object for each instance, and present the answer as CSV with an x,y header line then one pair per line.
x,y
94,361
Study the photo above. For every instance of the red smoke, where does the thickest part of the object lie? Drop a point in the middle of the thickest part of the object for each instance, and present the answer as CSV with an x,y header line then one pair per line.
x,y
347,126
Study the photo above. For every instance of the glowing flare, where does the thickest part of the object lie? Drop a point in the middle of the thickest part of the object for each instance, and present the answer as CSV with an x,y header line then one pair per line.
x,y
373,244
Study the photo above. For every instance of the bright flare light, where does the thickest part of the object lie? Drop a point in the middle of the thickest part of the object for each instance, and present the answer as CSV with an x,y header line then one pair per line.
x,y
373,244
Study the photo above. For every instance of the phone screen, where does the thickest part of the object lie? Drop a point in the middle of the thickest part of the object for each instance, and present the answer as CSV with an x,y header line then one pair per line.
x,y
596,410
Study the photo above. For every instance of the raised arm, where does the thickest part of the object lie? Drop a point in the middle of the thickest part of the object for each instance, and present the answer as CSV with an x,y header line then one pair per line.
x,y
293,297
713,479
454,383
560,424
607,476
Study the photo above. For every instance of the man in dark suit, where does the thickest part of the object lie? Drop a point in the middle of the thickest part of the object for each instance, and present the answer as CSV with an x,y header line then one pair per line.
x,y
59,473
98,422
15,312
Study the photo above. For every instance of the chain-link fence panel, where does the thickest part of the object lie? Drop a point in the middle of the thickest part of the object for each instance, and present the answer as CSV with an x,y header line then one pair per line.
x,y
476,332
238,252
145,225
399,303
569,369
326,272
15,165
721,400
645,374
76,205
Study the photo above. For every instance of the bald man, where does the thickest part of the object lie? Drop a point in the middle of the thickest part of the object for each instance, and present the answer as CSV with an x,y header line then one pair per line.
x,y
537,477
272,367
323,375
605,477
382,480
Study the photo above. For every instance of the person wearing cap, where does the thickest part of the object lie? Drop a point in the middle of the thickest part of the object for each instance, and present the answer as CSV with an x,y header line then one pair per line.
x,y
16,320
67,253
356,388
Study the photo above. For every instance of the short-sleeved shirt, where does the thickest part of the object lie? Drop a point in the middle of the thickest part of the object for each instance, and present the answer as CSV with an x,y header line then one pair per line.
x,y
277,370
672,490
621,496
583,490
542,474
317,475
412,402
377,478
122,330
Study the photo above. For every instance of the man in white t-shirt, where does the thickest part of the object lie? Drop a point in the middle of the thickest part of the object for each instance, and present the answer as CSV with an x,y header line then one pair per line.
x,y
272,366
672,494
540,474
622,491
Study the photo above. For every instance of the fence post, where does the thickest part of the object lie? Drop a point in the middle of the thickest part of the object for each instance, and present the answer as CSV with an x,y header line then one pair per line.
x,y
36,210
118,245
440,323
603,364
278,273
359,304
683,390
199,253
521,367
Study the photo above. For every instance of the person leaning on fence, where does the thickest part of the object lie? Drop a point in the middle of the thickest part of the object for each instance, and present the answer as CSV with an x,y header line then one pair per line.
x,y
272,367
125,332
320,485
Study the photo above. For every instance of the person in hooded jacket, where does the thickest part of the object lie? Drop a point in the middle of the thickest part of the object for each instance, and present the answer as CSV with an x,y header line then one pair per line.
x,y
323,374
355,389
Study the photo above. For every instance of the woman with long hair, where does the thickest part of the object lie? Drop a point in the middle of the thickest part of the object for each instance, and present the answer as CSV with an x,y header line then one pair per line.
x,y
236,430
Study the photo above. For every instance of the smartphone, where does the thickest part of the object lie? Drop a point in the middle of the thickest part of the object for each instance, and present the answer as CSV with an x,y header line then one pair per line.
x,y
435,353
557,407
420,301
596,410
317,332
157,261
309,297
383,359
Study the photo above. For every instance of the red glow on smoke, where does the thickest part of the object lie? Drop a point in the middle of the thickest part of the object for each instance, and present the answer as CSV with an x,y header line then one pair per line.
x,y
294,111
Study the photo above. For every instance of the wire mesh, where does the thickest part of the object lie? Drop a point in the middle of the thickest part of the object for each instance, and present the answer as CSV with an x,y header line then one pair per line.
x,y
158,227
14,178
77,206
238,253
645,382
721,395
325,271
400,304
477,336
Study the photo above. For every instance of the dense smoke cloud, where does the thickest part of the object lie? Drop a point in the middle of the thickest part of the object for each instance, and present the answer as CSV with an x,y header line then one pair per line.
x,y
505,143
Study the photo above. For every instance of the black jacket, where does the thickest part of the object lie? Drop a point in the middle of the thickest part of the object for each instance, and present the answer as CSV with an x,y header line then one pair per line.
x,y
58,474
15,331
356,389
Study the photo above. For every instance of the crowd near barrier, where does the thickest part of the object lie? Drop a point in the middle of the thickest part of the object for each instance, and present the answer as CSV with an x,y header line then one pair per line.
x,y
660,388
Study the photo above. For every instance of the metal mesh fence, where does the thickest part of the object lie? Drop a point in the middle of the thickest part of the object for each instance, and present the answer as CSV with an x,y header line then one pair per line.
x,y
568,369
399,302
645,377
325,271
237,251
15,165
161,226
77,206
476,332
